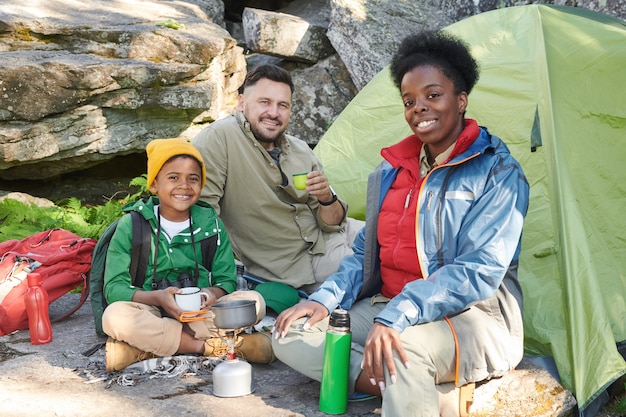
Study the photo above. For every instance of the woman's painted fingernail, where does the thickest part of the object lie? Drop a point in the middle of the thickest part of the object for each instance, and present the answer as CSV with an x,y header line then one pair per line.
x,y
373,381
381,384
393,379
407,365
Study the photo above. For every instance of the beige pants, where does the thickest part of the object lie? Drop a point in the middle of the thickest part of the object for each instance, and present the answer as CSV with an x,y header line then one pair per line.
x,y
338,246
142,326
430,348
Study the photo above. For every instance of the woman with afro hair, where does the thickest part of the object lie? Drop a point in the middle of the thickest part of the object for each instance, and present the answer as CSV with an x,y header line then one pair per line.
x,y
432,287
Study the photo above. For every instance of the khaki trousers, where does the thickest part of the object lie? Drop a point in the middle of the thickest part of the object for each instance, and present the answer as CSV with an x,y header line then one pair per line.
x,y
338,246
430,348
142,326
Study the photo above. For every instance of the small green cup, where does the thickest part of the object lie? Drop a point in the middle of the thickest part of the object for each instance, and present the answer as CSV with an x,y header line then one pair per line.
x,y
299,181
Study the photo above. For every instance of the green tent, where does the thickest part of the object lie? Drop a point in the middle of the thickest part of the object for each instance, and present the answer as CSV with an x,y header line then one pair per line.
x,y
552,86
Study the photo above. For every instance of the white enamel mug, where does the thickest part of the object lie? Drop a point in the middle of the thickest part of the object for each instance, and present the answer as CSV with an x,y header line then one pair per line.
x,y
190,298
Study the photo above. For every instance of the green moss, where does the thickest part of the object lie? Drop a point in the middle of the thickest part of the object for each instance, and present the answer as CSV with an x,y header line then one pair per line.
x,y
23,34
171,23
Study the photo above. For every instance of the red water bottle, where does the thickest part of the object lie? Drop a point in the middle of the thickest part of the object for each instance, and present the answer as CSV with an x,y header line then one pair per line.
x,y
37,309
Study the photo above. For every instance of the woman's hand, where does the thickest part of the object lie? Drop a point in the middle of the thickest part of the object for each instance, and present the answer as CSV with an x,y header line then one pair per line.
x,y
379,346
311,309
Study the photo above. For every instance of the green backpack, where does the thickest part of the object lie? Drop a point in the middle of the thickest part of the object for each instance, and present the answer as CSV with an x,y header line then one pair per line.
x,y
140,253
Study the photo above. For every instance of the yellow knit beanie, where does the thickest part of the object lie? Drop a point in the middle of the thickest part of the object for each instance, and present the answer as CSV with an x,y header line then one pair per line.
x,y
160,150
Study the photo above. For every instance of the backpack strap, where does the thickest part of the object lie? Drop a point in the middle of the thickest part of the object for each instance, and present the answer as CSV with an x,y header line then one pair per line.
x,y
84,294
140,253
208,248
142,237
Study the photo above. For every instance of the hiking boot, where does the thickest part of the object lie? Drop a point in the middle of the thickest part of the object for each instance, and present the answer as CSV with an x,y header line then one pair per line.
x,y
120,354
255,347
218,347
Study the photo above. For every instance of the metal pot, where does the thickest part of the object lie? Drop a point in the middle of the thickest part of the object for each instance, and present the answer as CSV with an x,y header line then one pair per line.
x,y
234,314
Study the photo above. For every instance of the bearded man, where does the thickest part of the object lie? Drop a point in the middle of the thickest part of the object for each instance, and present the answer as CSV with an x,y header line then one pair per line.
x,y
279,232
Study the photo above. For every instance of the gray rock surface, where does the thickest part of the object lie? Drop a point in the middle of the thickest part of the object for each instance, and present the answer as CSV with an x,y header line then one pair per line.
x,y
45,381
365,34
57,379
324,90
285,35
81,85
85,82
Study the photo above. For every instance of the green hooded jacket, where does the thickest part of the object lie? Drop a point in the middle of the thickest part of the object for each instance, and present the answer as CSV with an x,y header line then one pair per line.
x,y
174,258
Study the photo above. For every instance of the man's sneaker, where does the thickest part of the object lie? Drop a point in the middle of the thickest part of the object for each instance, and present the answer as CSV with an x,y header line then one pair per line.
x,y
360,396
255,347
119,355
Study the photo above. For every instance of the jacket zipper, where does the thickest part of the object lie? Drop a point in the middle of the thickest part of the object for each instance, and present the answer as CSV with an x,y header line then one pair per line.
x,y
408,198
407,201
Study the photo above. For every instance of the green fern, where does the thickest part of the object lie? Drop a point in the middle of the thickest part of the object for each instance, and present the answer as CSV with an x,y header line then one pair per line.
x,y
18,220
142,183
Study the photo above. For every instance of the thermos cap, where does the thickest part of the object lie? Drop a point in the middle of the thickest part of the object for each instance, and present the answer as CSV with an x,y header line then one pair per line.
x,y
339,319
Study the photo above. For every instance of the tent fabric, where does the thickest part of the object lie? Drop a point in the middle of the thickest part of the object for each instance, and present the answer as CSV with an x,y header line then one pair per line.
x,y
551,86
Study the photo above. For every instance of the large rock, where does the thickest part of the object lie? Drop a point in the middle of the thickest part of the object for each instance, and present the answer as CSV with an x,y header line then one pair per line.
x,y
299,36
365,33
321,92
82,85
528,390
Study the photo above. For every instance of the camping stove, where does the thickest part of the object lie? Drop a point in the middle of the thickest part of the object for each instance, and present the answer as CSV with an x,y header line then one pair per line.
x,y
233,377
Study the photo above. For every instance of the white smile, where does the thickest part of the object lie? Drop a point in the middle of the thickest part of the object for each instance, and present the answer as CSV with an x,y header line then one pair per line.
x,y
270,122
425,123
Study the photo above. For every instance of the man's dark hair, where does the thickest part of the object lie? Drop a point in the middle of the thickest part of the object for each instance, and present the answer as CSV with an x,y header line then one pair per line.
x,y
438,49
269,71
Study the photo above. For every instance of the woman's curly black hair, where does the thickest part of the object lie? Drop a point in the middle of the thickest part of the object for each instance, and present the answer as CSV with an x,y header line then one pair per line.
x,y
438,49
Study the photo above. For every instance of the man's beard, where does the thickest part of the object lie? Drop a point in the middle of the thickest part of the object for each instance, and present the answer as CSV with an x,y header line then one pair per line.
x,y
263,138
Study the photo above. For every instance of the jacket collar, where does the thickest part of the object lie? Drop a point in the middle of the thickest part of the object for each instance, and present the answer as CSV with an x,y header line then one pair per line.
x,y
410,146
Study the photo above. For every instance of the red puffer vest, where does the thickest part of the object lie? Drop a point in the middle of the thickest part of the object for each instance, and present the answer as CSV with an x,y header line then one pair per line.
x,y
396,221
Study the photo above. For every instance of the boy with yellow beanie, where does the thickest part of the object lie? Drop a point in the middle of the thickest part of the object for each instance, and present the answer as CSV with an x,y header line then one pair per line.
x,y
144,322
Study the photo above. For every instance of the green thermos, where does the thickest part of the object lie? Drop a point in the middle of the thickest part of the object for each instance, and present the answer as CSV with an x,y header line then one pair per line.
x,y
334,386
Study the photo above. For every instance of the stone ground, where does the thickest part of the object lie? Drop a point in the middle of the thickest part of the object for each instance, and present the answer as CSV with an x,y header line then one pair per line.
x,y
46,381
57,379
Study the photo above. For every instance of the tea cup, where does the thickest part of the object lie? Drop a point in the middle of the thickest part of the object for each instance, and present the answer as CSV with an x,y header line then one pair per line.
x,y
190,298
299,181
